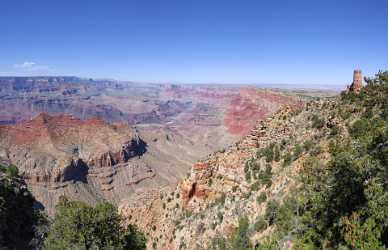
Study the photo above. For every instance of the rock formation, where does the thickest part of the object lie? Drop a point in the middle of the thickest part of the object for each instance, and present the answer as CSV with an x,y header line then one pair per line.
x,y
208,182
53,152
217,192
93,155
205,109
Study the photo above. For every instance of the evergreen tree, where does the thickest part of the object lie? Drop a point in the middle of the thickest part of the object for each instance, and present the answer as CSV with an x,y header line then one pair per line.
x,y
77,225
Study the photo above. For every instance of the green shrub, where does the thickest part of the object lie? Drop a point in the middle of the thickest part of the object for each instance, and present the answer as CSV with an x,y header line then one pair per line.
x,y
334,130
79,226
219,243
248,176
317,122
344,114
298,151
316,150
271,244
384,113
271,212
10,171
283,144
260,224
307,145
188,214
287,159
255,166
255,186
247,170
268,153
261,198
240,238
359,127
220,216
247,166
265,177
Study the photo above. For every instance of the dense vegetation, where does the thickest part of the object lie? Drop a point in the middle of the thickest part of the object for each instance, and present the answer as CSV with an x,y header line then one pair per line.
x,y
76,225
343,203
18,219
342,199
80,226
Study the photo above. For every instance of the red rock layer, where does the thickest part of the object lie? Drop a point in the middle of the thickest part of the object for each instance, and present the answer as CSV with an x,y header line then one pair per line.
x,y
254,105
52,149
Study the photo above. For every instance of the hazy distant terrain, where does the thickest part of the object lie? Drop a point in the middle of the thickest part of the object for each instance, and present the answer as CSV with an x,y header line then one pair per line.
x,y
69,135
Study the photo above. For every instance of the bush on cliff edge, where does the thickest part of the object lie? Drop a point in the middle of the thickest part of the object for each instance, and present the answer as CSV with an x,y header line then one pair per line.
x,y
77,225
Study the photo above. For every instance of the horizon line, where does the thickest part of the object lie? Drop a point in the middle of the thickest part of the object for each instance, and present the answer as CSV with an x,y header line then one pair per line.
x,y
179,82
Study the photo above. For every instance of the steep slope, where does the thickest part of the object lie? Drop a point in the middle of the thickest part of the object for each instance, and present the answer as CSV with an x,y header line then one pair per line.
x,y
56,154
310,178
189,216
180,123
82,157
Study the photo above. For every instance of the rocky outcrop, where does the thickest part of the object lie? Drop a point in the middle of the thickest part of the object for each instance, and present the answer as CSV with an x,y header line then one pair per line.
x,y
54,152
201,172
130,149
76,170
217,192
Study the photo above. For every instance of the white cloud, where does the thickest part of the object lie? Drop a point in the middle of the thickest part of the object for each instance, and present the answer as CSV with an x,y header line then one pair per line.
x,y
31,67
25,65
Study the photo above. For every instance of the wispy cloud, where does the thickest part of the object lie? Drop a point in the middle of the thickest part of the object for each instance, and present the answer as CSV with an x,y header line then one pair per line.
x,y
31,67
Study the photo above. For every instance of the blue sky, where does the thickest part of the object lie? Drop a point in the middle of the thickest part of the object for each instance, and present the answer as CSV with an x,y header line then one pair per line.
x,y
205,41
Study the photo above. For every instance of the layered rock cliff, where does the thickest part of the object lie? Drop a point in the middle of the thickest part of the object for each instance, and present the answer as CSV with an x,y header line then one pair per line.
x,y
53,152
91,160
239,181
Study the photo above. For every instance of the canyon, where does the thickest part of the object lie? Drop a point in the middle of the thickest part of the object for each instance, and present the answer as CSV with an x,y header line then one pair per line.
x,y
277,186
95,140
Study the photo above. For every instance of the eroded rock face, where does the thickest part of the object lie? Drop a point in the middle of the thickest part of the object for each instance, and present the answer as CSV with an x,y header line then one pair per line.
x,y
130,149
190,109
91,160
218,185
59,143
53,152
201,172
251,106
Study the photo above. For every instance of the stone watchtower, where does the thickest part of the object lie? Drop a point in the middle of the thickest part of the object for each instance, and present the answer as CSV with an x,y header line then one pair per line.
x,y
357,81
